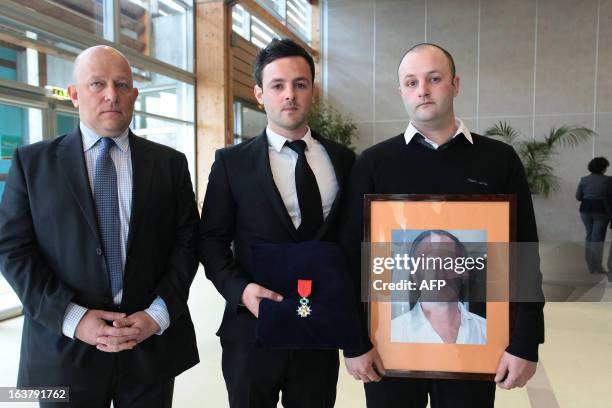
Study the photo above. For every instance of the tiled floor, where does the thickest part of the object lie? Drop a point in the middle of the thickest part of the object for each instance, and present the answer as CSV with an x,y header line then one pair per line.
x,y
575,371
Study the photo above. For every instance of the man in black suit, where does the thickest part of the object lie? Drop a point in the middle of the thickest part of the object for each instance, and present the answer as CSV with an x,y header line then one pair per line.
x,y
280,187
97,238
437,154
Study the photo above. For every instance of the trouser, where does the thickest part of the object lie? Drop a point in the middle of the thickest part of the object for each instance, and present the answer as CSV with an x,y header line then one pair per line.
x,y
122,392
255,376
395,392
595,225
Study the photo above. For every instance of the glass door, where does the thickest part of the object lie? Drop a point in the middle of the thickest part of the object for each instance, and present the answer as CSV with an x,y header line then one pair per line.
x,y
21,125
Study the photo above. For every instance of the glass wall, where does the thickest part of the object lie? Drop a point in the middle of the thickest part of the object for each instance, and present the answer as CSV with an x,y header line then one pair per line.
x,y
295,14
174,28
66,122
87,15
298,18
30,56
39,41
8,63
165,96
172,133
248,121
165,114
251,28
144,25
20,125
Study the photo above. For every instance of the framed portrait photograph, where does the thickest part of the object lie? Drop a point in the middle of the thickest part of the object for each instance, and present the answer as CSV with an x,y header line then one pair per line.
x,y
436,276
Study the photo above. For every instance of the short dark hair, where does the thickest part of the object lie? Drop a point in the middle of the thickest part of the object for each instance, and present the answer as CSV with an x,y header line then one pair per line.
x,y
279,49
451,61
598,165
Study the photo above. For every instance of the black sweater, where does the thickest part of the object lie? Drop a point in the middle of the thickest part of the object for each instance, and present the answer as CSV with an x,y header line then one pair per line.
x,y
458,167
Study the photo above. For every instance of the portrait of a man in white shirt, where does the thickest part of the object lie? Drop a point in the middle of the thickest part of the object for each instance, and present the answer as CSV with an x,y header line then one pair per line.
x,y
438,315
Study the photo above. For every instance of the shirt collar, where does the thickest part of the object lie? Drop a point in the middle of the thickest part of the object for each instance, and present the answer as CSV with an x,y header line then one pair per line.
x,y
461,129
420,317
465,314
90,138
277,141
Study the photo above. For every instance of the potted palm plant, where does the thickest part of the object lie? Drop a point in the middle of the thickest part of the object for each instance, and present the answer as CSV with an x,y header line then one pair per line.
x,y
537,156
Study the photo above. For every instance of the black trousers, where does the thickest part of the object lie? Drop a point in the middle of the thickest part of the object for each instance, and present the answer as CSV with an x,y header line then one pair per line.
x,y
124,393
394,392
254,376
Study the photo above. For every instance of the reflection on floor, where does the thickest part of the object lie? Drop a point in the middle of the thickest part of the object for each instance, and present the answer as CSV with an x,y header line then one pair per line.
x,y
575,369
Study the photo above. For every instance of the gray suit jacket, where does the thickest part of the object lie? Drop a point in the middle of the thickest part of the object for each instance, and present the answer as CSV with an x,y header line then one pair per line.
x,y
595,193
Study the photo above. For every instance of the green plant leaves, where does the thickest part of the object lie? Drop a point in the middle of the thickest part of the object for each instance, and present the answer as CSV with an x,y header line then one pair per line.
x,y
328,122
537,156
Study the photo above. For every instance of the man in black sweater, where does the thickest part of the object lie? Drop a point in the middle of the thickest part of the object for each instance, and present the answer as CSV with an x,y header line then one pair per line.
x,y
438,155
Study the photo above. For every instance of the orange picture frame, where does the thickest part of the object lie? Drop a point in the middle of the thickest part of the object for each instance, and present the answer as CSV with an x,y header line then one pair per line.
x,y
495,214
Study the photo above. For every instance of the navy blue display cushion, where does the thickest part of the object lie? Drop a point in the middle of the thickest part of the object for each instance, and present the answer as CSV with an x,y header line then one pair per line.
x,y
334,320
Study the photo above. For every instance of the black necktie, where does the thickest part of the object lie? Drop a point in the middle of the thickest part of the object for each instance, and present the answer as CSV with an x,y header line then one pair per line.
x,y
309,197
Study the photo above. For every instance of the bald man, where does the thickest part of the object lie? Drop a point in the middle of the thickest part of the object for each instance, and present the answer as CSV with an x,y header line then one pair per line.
x,y
97,235
438,154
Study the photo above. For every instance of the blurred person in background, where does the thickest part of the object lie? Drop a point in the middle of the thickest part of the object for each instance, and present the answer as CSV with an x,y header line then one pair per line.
x,y
595,195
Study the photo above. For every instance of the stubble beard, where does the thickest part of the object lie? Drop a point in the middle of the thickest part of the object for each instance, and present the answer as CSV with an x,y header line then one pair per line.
x,y
291,125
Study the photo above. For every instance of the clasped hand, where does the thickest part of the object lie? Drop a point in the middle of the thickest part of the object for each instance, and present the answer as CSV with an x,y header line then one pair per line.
x,y
124,333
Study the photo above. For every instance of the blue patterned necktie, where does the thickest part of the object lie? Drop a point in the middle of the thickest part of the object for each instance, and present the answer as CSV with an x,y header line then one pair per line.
x,y
107,208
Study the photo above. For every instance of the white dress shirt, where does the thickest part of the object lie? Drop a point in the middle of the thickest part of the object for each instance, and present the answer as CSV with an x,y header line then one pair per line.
x,y
414,327
461,129
122,159
282,163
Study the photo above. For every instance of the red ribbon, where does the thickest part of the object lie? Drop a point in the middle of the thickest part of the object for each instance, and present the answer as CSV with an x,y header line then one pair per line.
x,y
304,287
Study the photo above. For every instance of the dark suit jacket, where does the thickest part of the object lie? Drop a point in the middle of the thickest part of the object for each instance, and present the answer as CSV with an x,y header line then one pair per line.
x,y
243,206
50,253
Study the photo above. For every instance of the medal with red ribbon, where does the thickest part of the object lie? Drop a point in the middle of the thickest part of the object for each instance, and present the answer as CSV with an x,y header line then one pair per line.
x,y
304,290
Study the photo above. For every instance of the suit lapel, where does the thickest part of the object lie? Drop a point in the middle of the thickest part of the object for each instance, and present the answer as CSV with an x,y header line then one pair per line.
x,y
142,168
264,174
72,160
338,169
